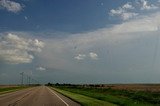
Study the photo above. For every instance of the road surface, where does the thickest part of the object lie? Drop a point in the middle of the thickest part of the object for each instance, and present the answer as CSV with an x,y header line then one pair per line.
x,y
36,96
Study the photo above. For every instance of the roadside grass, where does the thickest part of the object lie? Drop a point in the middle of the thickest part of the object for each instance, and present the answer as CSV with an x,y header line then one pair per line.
x,y
11,89
143,96
84,100
119,97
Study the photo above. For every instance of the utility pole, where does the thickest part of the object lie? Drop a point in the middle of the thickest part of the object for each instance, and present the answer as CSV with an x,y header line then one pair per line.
x,y
29,80
22,78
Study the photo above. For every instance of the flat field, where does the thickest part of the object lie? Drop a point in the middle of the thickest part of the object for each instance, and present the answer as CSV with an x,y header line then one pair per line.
x,y
135,87
116,94
10,88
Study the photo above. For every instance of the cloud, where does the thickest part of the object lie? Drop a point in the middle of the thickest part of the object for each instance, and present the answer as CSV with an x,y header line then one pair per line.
x,y
10,6
131,41
101,41
41,68
25,17
125,12
132,9
146,23
128,6
93,55
3,75
128,15
16,50
144,5
80,57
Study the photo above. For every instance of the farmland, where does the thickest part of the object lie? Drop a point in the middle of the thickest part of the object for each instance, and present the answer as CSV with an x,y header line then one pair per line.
x,y
117,94
12,88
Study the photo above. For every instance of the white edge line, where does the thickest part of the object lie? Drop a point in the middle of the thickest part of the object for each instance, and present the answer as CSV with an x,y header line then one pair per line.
x,y
58,97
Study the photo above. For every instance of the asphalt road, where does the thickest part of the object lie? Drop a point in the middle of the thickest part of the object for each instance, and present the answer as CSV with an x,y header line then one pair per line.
x,y
36,96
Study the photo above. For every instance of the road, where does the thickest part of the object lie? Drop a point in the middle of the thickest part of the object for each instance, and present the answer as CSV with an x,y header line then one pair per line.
x,y
35,96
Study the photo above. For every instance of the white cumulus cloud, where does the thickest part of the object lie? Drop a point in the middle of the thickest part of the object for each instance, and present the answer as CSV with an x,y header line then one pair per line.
x,y
133,9
16,50
41,68
125,12
93,55
10,6
80,57
144,5
127,6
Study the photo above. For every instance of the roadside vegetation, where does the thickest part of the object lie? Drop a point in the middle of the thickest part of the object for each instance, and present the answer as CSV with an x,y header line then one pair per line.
x,y
7,89
84,100
10,89
114,96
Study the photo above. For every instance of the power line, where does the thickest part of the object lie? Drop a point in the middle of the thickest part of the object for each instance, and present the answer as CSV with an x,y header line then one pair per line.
x,y
29,79
22,77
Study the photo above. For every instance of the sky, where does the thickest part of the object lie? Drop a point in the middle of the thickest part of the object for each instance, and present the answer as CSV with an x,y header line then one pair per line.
x,y
80,41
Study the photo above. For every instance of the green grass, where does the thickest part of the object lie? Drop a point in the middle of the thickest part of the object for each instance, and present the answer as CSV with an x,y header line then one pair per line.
x,y
84,100
119,97
11,89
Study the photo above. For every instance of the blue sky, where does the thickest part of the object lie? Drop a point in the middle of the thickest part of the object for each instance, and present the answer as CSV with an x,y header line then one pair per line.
x,y
66,16
82,41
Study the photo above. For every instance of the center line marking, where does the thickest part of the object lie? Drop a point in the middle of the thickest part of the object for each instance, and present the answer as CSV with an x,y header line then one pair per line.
x,y
58,97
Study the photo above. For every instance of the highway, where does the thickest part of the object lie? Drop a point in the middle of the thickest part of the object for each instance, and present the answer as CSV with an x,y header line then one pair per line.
x,y
35,96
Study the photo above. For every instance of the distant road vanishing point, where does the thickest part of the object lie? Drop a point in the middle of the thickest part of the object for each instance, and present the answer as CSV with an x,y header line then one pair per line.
x,y
36,96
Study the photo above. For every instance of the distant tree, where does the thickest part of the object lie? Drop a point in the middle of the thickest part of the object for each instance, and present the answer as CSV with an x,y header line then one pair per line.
x,y
49,84
57,84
